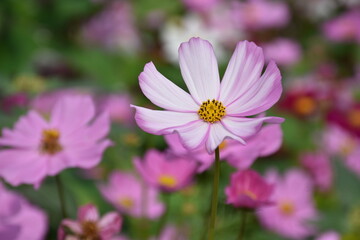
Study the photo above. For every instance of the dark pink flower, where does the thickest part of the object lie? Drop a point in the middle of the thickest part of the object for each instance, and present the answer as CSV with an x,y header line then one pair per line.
x,y
38,147
248,189
164,171
89,225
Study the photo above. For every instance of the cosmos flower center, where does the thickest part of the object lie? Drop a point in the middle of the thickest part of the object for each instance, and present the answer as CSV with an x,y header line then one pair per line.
x,y
50,141
126,202
223,145
354,118
89,230
305,105
167,181
287,208
211,111
249,194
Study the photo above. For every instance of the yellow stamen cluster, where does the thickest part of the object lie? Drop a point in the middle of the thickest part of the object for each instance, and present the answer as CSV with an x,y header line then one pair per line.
x,y
305,105
167,181
126,202
50,141
89,230
211,111
354,118
287,208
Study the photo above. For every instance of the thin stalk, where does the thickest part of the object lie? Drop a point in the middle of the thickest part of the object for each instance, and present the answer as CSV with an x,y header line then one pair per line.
x,y
214,198
242,225
165,216
60,189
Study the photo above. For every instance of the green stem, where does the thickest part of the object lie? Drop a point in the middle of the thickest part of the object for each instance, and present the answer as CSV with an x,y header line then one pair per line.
x,y
60,189
165,216
242,226
214,198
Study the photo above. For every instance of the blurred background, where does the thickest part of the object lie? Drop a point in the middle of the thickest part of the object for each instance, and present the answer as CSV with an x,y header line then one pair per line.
x,y
51,48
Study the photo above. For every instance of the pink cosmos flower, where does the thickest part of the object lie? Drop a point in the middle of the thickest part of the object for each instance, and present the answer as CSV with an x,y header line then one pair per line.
x,y
13,101
170,232
293,210
341,143
89,225
125,192
118,107
260,14
214,111
248,189
266,142
37,147
113,28
165,172
200,5
344,27
331,235
283,51
319,167
19,219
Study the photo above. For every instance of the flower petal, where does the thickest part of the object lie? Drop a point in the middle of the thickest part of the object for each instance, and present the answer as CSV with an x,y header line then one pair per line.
x,y
194,134
88,212
243,71
163,93
73,225
217,134
260,96
109,225
162,122
71,113
199,69
247,127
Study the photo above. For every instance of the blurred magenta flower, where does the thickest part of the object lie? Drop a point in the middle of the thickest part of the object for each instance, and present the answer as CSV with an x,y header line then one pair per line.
x,y
165,172
283,51
248,189
113,28
130,196
331,235
19,219
347,116
266,142
293,210
118,107
200,5
344,28
213,111
10,102
89,225
319,167
260,14
38,147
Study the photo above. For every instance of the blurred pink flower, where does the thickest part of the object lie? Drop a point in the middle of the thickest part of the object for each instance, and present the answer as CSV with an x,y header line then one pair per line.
x,y
213,111
37,148
89,225
44,103
165,172
113,28
19,219
344,28
331,235
346,115
293,210
266,142
118,107
170,232
340,142
200,5
319,167
248,189
283,51
130,196
260,14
